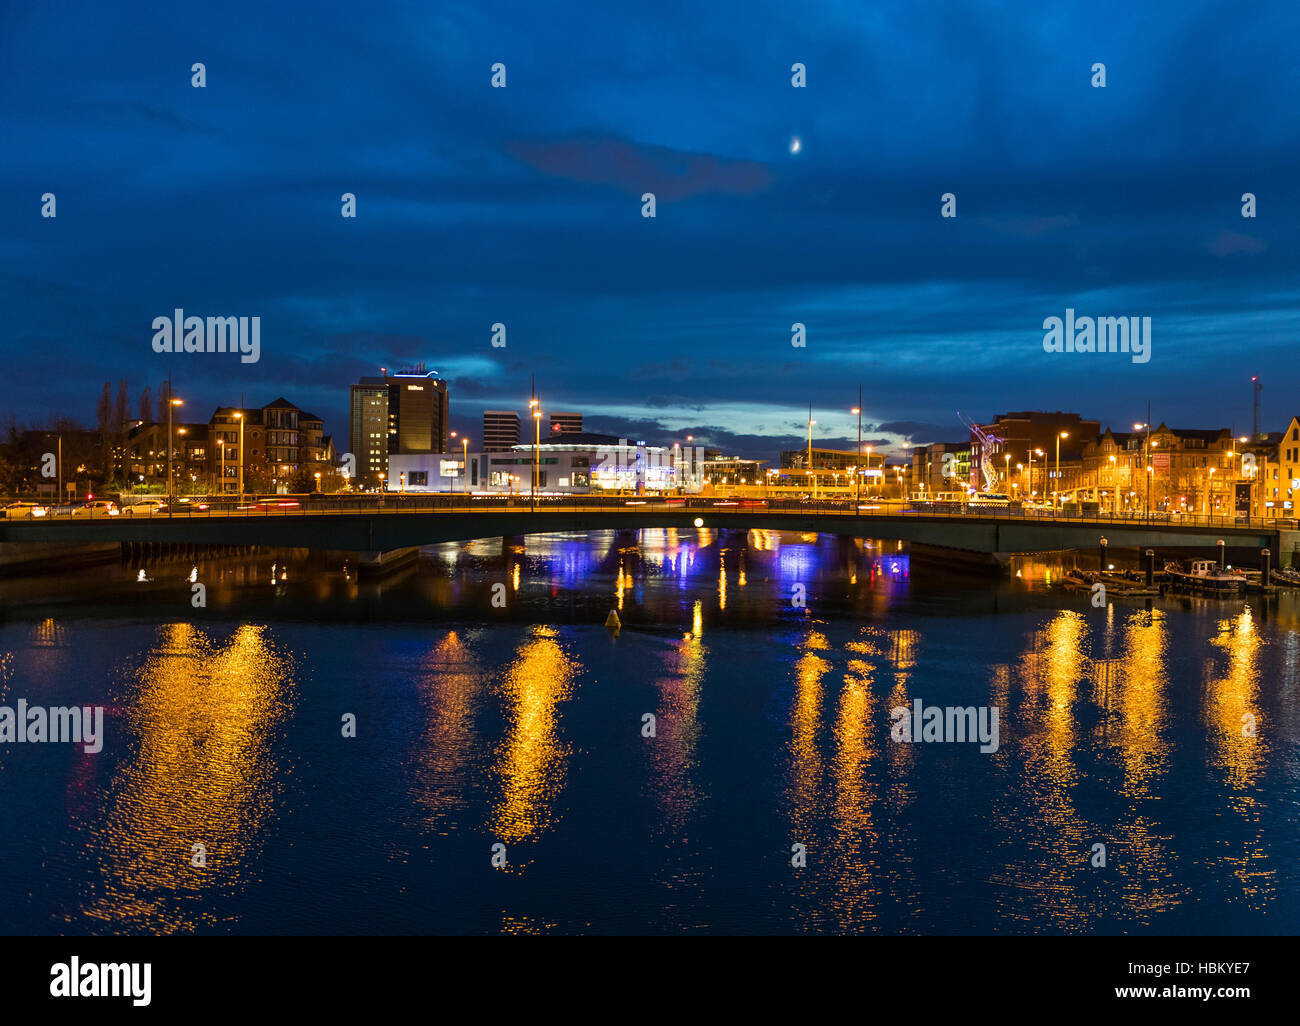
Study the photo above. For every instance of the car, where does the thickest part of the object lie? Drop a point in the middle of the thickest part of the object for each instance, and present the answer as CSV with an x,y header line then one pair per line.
x,y
96,508
144,509
271,506
22,511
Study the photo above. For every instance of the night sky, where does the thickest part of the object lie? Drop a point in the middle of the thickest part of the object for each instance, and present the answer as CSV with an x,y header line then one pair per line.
x,y
522,205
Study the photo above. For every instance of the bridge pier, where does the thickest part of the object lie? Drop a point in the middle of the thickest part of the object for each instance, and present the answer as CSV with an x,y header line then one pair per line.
x,y
376,564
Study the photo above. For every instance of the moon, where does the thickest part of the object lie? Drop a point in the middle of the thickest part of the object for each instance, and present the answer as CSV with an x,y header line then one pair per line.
x,y
796,144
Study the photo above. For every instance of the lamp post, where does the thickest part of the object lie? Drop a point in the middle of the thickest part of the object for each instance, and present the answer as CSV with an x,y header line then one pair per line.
x,y
170,403
240,417
464,465
1146,455
536,406
1056,491
857,490
221,463
811,477
451,488
1006,474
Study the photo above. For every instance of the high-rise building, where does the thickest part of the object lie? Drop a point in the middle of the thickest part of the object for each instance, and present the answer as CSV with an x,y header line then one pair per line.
x,y
500,430
417,412
368,442
566,423
403,412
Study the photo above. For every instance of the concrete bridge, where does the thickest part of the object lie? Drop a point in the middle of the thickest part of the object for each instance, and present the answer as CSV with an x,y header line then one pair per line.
x,y
373,531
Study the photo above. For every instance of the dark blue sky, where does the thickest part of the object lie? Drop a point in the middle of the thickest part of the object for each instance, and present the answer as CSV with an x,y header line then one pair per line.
x,y
522,205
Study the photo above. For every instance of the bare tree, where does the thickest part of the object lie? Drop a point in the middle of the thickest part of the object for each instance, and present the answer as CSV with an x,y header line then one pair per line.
x,y
146,405
104,408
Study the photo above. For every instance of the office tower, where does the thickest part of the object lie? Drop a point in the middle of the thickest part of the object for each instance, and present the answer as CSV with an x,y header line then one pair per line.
x,y
566,423
500,430
368,441
417,411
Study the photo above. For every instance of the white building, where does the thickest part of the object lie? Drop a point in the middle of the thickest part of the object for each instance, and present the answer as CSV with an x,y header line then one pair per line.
x,y
566,464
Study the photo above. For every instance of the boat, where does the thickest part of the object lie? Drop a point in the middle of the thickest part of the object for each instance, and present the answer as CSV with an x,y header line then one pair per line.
x,y
1287,578
1205,576
1255,581
1115,584
1078,579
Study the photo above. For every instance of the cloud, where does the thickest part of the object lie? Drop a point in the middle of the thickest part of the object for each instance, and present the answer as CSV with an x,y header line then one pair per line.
x,y
672,175
1031,227
1228,243
921,433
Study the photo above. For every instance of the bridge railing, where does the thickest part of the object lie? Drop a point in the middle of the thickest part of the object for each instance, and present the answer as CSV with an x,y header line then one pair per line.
x,y
397,503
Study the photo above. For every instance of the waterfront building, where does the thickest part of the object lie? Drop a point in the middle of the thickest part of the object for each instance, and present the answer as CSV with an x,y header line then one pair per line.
x,y
566,423
1014,437
941,467
500,430
368,441
565,464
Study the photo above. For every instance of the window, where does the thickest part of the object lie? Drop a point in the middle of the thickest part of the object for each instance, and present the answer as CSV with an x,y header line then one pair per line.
x,y
418,477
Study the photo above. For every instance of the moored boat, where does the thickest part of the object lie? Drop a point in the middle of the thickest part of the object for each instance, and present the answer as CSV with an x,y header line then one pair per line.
x,y
1206,577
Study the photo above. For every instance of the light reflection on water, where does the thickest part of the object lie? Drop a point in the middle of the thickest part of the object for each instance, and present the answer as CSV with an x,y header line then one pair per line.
x,y
199,772
524,727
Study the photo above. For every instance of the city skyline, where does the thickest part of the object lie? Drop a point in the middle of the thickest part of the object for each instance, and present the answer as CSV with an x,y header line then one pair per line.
x,y
522,207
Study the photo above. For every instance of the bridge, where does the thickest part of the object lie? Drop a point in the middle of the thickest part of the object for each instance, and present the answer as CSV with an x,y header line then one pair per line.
x,y
402,523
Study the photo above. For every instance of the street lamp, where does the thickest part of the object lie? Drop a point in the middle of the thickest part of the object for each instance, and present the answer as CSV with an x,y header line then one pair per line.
x,y
318,480
857,477
464,465
240,417
1032,454
1146,454
221,463
536,406
170,404
812,478
1056,491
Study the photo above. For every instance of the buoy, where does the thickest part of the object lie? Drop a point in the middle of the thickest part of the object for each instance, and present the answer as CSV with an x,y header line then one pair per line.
x,y
612,623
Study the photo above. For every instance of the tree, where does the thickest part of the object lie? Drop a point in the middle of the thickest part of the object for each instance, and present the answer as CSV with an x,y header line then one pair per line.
x,y
146,406
104,408
119,430
104,415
